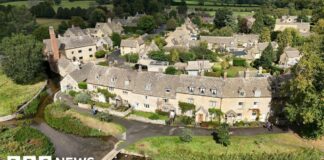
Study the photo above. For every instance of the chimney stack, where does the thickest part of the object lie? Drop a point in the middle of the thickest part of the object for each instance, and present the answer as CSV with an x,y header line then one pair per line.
x,y
140,68
260,70
54,45
109,20
246,73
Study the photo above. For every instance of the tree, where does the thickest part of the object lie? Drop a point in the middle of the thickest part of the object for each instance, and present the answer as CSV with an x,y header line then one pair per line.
x,y
243,25
22,59
182,8
159,41
225,31
16,20
82,98
186,135
319,27
222,135
266,59
171,24
196,20
57,2
41,33
174,56
223,16
171,70
97,15
115,37
216,113
100,54
158,56
102,2
146,23
63,26
265,35
187,56
173,14
43,10
258,23
304,93
77,21
132,58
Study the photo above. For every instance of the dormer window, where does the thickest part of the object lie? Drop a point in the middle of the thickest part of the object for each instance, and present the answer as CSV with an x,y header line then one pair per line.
x,y
191,89
202,90
148,86
168,90
213,91
241,92
126,82
257,92
113,79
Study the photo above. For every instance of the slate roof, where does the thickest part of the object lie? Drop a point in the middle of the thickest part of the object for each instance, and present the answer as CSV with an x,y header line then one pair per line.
x,y
218,40
66,65
198,65
131,42
291,52
76,42
74,31
162,85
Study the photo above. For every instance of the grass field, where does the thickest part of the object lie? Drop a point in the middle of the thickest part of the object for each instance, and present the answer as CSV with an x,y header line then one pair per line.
x,y
12,95
49,22
173,148
149,115
64,4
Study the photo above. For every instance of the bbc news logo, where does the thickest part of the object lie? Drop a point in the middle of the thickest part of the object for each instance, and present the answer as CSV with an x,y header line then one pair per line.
x,y
46,158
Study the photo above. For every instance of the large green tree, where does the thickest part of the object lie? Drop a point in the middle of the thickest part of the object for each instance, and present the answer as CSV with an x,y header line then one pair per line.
x,y
22,60
146,23
305,93
266,59
223,16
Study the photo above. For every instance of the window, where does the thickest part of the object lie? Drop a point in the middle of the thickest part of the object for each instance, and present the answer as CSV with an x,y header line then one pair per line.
x,y
212,103
79,51
146,105
148,86
241,92
240,104
255,104
254,113
80,58
113,79
125,92
213,91
90,55
111,88
190,100
191,89
72,52
202,90
145,97
90,49
168,90
165,100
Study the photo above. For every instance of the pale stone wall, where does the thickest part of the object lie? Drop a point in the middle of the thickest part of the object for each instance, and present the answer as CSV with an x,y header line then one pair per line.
x,y
128,50
68,83
87,53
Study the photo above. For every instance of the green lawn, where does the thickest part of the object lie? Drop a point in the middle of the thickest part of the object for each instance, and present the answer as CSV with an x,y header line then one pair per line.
x,y
49,22
24,141
64,4
234,70
12,95
204,147
150,115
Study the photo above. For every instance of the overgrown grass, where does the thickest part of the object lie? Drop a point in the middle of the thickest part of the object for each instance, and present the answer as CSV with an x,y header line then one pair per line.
x,y
60,117
24,141
150,115
163,148
12,95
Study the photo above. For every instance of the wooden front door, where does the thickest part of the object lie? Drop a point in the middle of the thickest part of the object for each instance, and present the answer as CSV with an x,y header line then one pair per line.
x,y
200,118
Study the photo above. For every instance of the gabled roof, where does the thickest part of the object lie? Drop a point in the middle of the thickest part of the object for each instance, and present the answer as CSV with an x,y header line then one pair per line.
x,y
291,52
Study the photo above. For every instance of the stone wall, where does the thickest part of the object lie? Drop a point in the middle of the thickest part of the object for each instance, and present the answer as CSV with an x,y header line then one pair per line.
x,y
146,120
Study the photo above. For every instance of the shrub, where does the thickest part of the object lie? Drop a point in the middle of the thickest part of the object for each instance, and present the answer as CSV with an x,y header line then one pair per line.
x,y
73,93
102,104
83,85
213,74
239,124
239,62
132,58
186,106
32,107
171,70
187,120
158,56
222,135
186,135
162,113
102,116
100,54
106,93
154,116
82,98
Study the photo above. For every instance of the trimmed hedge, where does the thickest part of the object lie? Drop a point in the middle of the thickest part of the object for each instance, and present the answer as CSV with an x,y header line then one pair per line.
x,y
100,54
186,106
83,85
32,108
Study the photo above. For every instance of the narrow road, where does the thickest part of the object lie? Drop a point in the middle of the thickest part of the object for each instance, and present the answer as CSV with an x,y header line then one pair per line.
x,y
136,130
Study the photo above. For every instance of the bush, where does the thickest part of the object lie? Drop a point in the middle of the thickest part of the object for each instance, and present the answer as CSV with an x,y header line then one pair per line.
x,y
222,135
187,120
106,93
158,56
171,70
73,93
154,116
239,62
102,104
83,85
102,116
186,135
32,108
162,113
132,58
82,98
100,54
